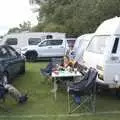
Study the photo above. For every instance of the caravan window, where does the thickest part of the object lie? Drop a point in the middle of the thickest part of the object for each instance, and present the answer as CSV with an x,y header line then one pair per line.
x,y
11,41
34,41
98,43
115,46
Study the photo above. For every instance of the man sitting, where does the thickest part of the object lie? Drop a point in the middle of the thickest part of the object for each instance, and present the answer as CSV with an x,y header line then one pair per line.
x,y
12,91
48,70
15,93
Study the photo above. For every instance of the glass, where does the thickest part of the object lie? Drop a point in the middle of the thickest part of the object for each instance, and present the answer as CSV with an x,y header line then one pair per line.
x,y
75,70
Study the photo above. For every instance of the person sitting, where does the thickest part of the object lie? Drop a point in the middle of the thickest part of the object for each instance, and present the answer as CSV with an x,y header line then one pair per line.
x,y
69,62
48,70
13,92
70,53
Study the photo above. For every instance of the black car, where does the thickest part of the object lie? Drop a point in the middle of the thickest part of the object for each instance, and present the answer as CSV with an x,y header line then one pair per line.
x,y
11,63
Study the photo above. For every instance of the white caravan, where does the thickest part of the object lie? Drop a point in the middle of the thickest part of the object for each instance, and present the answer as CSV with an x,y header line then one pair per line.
x,y
103,52
80,45
19,40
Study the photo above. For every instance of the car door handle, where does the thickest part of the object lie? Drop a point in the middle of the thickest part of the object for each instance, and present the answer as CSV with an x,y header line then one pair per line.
x,y
49,47
61,47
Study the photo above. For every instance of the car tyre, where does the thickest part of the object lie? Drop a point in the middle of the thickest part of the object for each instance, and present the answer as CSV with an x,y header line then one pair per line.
x,y
31,56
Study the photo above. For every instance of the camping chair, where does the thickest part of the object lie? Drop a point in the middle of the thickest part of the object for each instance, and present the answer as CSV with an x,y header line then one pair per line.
x,y
56,61
83,92
52,64
47,70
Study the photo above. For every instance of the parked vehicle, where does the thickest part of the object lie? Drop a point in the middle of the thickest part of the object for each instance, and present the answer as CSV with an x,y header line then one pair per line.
x,y
19,40
103,52
71,42
80,45
46,48
11,63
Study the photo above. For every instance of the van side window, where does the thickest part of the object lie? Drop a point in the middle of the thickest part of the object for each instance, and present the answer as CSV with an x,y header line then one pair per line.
x,y
11,41
34,41
49,37
115,46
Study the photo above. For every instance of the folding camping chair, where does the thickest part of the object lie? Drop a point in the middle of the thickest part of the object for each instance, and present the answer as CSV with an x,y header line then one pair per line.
x,y
52,64
58,61
83,92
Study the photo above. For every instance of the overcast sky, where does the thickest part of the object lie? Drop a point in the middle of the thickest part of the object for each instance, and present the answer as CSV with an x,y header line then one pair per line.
x,y
14,12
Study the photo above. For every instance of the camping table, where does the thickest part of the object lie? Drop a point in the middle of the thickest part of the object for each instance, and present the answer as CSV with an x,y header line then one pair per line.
x,y
59,74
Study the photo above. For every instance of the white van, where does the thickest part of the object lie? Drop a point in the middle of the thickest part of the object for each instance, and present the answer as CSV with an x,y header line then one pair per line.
x,y
19,40
46,48
80,45
103,52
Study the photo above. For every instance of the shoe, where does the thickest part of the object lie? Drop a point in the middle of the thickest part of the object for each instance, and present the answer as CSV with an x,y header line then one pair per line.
x,y
23,99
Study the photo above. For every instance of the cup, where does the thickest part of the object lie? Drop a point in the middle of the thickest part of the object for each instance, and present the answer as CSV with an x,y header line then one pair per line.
x,y
75,70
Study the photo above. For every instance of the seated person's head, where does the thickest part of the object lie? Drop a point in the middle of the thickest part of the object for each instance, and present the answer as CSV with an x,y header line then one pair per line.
x,y
66,61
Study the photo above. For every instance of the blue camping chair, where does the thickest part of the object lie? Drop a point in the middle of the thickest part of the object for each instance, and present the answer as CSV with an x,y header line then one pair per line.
x,y
83,92
52,64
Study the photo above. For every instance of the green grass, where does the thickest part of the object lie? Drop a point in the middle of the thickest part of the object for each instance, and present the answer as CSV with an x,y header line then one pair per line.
x,y
41,104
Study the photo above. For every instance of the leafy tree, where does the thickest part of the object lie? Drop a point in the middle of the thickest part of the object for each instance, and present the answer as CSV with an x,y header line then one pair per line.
x,y
14,30
25,26
75,16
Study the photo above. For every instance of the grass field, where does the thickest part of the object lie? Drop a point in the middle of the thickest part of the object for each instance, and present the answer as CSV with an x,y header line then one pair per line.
x,y
42,106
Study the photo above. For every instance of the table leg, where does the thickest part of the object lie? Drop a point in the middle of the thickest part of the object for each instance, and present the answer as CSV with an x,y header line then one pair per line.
x,y
68,100
55,87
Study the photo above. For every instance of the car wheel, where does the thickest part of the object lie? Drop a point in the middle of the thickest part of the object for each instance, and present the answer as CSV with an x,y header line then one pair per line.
x,y
31,56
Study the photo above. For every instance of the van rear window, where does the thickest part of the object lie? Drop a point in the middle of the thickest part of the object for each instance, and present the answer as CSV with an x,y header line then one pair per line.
x,y
115,46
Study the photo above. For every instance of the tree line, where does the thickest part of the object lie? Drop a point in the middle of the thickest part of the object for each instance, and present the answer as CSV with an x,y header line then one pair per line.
x,y
74,16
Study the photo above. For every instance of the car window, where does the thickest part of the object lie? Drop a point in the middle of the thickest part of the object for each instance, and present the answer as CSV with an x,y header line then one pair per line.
x,y
34,41
12,52
4,53
11,41
54,42
44,43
